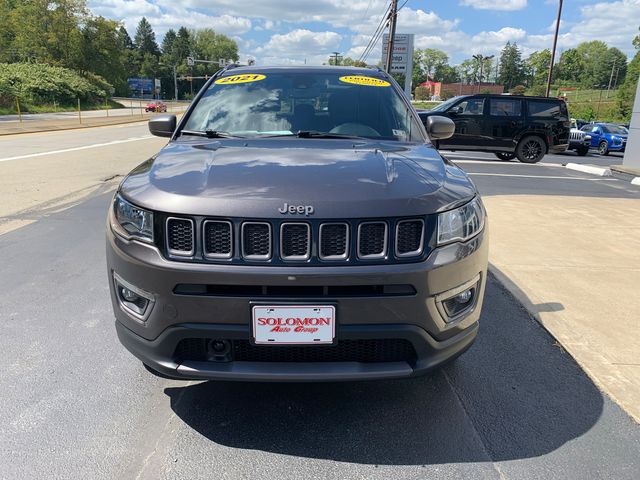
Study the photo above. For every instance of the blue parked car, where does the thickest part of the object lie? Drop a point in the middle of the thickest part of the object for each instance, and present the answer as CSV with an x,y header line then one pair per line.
x,y
607,137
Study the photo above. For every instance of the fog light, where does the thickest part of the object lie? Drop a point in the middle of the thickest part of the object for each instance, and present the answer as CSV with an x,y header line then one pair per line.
x,y
132,300
456,303
464,297
128,295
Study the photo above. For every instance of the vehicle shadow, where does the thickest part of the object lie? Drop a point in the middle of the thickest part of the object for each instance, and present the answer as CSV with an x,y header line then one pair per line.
x,y
513,395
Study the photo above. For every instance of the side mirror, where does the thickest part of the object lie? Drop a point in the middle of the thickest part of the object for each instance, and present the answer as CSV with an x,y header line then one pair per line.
x,y
440,128
162,125
455,111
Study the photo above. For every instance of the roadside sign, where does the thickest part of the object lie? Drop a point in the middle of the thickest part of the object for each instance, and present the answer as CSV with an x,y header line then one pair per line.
x,y
190,61
401,57
157,83
222,62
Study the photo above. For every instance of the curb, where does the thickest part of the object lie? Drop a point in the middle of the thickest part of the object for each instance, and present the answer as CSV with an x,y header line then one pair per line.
x,y
600,171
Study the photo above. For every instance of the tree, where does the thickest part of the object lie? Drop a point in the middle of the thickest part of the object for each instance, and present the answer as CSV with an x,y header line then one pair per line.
x,y
512,71
571,66
627,91
636,41
347,61
124,38
429,59
168,41
446,74
538,67
145,39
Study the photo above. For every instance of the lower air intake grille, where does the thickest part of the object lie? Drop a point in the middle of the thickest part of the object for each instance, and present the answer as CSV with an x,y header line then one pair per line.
x,y
256,241
180,236
365,351
372,240
217,239
409,237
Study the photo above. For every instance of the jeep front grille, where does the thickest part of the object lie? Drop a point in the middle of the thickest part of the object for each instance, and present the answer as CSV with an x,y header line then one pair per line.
x,y
372,240
334,241
180,236
256,240
409,237
309,242
217,239
295,241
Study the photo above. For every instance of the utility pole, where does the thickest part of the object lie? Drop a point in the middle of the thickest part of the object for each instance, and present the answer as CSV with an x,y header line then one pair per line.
x,y
175,84
336,58
481,59
553,50
611,76
393,15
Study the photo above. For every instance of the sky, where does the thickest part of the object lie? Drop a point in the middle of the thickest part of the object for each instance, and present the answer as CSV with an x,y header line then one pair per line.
x,y
284,32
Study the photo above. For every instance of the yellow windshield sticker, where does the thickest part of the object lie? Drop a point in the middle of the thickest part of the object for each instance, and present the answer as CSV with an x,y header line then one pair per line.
x,y
242,78
362,80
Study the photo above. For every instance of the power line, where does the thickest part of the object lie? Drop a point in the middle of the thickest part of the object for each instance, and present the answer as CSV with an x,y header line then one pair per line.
x,y
374,38
376,34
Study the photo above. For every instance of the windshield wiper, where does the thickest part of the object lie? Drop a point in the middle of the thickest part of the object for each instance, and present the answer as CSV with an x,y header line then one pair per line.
x,y
208,134
317,134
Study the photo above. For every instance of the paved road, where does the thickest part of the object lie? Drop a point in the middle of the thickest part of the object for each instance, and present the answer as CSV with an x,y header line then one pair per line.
x,y
75,404
131,107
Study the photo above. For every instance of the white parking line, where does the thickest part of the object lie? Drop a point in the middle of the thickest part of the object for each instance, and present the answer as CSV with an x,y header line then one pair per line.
x,y
75,149
552,177
500,163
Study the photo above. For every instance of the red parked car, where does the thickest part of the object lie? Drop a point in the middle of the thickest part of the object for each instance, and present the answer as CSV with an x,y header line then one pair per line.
x,y
157,107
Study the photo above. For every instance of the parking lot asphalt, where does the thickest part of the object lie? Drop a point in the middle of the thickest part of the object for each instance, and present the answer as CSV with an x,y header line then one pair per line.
x,y
75,404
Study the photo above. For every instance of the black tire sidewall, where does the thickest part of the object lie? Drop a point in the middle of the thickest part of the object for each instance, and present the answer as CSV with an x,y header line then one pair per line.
x,y
506,156
523,142
582,151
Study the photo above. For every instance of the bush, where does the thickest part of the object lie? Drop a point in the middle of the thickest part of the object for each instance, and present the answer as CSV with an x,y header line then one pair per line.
x,y
518,90
422,93
37,84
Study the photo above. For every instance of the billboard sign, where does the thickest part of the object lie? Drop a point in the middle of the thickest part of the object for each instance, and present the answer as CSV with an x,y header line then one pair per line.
x,y
141,87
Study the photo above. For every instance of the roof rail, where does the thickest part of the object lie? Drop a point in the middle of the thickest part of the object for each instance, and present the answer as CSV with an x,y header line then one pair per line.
x,y
226,68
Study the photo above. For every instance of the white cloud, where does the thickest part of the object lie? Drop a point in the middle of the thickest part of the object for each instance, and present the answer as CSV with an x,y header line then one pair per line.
x,y
495,4
298,46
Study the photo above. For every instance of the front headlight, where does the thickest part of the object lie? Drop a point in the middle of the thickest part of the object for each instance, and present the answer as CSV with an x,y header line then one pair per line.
x,y
587,137
131,221
461,224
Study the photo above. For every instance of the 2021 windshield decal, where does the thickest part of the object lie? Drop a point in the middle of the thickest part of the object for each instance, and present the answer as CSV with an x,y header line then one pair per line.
x,y
242,78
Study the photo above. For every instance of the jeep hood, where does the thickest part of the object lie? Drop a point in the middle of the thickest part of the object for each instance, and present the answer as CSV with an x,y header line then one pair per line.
x,y
339,178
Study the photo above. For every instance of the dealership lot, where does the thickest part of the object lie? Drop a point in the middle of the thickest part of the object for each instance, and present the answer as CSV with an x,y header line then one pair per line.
x,y
77,405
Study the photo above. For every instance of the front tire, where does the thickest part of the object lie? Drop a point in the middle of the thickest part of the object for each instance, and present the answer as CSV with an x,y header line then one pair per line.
x,y
582,151
603,148
531,149
505,156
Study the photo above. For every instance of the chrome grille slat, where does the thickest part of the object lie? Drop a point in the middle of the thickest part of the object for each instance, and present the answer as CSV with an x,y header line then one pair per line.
x,y
295,241
180,239
217,239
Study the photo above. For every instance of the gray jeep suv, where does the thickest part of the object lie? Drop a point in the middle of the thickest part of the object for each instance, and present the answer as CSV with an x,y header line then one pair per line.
x,y
298,226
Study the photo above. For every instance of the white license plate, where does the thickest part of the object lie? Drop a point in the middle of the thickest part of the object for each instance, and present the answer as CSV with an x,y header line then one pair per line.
x,y
293,324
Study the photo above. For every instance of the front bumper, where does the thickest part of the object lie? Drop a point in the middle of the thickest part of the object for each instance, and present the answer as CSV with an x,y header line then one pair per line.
x,y
416,318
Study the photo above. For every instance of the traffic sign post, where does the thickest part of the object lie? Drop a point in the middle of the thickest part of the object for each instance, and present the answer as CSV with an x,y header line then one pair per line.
x,y
401,57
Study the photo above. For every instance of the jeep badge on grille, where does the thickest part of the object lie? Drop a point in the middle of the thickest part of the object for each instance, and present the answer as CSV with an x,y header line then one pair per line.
x,y
296,209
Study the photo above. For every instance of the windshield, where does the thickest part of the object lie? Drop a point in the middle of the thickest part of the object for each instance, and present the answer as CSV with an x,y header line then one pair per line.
x,y
285,103
445,105
615,129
